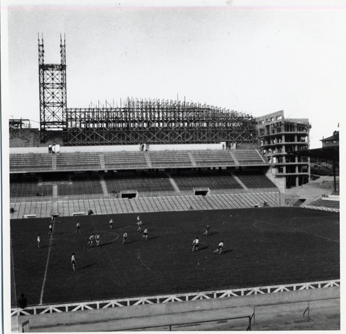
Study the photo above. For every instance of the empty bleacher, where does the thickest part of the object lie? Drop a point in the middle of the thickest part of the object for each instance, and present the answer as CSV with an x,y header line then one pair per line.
x,y
27,186
212,158
78,161
170,159
30,161
205,179
255,180
326,204
81,185
143,182
248,157
124,160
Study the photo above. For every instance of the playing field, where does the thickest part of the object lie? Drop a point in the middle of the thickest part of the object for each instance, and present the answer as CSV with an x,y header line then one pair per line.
x,y
263,246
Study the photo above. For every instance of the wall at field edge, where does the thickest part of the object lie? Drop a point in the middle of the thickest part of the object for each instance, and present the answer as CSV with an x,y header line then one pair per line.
x,y
122,318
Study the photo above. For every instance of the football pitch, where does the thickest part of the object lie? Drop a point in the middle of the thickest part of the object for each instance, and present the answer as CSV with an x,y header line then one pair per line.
x,y
262,246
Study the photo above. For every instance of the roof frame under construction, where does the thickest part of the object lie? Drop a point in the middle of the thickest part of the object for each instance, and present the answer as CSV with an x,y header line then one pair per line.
x,y
136,120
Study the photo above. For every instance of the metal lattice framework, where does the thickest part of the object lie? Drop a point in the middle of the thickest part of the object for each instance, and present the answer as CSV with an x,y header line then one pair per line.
x,y
52,86
155,121
135,121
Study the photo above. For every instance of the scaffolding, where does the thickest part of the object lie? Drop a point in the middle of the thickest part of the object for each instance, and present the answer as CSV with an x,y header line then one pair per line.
x,y
135,120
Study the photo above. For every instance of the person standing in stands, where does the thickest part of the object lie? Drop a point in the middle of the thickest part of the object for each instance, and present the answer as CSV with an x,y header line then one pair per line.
x,y
195,244
206,232
38,241
111,224
73,261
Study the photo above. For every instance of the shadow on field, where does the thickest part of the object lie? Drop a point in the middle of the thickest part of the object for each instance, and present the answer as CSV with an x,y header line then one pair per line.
x,y
227,251
212,233
203,247
87,266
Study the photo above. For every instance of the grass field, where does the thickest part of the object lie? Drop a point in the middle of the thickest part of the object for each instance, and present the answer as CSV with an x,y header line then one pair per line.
x,y
263,246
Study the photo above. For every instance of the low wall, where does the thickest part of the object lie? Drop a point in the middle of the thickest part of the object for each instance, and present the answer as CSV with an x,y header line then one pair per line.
x,y
140,316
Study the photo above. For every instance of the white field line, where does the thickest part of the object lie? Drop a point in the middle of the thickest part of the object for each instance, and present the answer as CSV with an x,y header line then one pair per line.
x,y
45,271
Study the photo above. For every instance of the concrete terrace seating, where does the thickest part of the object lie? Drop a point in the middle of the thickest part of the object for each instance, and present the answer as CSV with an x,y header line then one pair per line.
x,y
170,158
250,156
81,185
78,160
28,187
326,204
150,182
115,160
255,181
30,161
211,180
213,157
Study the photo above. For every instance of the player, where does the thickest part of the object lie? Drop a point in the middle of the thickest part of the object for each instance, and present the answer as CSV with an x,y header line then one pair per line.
x,y
97,239
139,223
145,234
73,261
124,237
91,240
219,248
111,224
50,229
206,232
38,241
77,228
195,244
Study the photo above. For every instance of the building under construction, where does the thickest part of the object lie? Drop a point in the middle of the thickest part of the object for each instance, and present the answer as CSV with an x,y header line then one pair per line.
x,y
134,121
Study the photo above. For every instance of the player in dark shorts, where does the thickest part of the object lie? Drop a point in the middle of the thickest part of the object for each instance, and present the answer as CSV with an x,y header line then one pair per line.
x,y
91,240
145,234
111,224
206,232
38,241
50,229
77,228
219,248
139,223
195,244
73,261
124,237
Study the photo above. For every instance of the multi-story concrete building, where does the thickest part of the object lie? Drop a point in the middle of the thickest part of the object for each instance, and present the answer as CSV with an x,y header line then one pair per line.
x,y
280,138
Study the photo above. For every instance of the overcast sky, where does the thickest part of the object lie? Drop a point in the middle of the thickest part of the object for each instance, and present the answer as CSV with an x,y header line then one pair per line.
x,y
252,59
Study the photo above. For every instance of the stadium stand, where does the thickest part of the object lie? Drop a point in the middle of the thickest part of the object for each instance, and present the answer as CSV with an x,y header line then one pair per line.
x,y
30,162
81,185
170,159
255,180
124,160
210,158
28,186
248,157
78,161
211,179
326,204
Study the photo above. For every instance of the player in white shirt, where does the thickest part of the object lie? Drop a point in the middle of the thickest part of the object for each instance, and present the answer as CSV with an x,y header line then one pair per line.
x,y
91,240
38,241
73,261
111,224
124,237
219,248
195,244
145,234
97,239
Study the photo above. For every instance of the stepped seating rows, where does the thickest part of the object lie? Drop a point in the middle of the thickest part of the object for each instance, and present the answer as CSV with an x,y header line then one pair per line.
x,y
81,185
255,181
170,158
29,188
326,204
206,180
116,160
147,204
147,183
248,157
205,158
30,161
78,160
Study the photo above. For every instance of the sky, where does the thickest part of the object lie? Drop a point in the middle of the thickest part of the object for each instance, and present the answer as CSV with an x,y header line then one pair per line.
x,y
228,54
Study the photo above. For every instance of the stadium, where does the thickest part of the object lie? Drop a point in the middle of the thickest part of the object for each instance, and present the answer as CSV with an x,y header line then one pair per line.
x,y
177,167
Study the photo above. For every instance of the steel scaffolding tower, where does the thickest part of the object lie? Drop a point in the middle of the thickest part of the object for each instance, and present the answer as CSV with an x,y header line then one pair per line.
x,y
52,86
135,121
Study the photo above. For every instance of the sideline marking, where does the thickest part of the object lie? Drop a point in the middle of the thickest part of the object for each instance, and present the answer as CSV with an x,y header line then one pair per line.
x,y
45,271
143,262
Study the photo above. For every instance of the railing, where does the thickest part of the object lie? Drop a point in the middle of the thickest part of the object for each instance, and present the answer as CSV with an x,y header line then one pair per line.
x,y
170,326
96,305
